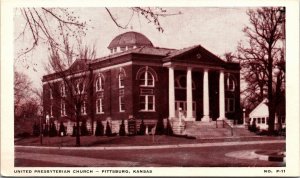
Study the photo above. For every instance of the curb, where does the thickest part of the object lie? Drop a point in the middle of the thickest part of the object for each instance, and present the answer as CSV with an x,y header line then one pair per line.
x,y
268,157
198,145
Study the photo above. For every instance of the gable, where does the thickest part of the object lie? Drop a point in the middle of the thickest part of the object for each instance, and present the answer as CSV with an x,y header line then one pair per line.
x,y
260,110
195,54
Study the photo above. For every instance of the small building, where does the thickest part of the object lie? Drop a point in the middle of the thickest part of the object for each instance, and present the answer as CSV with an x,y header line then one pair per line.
x,y
141,81
260,116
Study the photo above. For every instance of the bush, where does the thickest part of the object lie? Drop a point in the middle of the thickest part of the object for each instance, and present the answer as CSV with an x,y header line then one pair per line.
x,y
99,129
122,129
52,131
108,129
36,129
253,127
46,130
83,129
142,128
169,130
23,135
160,127
74,131
62,129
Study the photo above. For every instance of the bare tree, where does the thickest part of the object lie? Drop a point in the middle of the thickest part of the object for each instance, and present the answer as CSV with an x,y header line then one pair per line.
x,y
263,55
22,86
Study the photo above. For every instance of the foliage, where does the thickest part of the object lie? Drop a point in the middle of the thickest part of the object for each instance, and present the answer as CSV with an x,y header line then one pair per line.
x,y
83,128
160,129
108,131
74,133
142,128
122,129
36,129
52,131
263,59
62,129
169,130
99,129
46,130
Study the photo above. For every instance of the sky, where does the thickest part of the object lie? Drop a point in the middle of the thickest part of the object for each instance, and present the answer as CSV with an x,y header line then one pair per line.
x,y
217,29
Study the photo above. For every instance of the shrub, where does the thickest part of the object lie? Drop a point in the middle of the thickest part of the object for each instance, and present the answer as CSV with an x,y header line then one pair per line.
x,y
62,129
23,135
142,128
46,130
108,129
74,131
36,129
99,129
122,129
83,128
52,131
160,127
169,130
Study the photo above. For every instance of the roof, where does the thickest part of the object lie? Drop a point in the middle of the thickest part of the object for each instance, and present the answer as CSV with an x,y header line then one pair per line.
x,y
261,110
148,50
130,39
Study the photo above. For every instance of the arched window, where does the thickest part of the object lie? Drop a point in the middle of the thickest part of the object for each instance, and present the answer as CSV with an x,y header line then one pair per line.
x,y
121,80
79,89
230,83
146,79
180,82
99,83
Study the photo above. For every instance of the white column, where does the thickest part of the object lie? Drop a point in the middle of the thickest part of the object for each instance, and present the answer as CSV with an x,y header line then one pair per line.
x,y
206,117
189,95
171,93
221,96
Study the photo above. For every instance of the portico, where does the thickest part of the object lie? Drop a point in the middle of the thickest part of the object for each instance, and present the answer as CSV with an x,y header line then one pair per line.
x,y
189,93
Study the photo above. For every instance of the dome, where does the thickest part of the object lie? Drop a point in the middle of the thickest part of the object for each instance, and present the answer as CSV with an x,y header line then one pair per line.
x,y
129,40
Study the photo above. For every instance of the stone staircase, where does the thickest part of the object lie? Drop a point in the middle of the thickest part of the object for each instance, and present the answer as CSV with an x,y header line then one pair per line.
x,y
215,129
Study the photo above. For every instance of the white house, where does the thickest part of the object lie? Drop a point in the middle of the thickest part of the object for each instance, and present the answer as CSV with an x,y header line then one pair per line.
x,y
260,115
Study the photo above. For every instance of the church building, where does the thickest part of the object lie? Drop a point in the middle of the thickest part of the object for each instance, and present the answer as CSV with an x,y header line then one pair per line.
x,y
143,82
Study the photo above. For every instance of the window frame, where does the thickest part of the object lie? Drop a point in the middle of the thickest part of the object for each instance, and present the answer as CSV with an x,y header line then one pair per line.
x,y
230,79
63,90
121,77
121,104
146,74
101,106
227,105
83,108
146,104
63,108
101,86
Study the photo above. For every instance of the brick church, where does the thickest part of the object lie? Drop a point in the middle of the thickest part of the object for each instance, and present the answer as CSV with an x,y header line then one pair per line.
x,y
142,82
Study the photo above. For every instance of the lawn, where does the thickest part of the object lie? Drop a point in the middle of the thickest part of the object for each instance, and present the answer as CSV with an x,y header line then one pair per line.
x,y
146,140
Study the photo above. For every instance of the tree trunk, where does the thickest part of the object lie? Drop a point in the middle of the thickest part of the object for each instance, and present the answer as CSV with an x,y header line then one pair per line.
x,y
77,129
270,92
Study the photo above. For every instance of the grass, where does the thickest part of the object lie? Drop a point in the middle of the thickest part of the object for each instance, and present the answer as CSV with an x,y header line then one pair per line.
x,y
147,140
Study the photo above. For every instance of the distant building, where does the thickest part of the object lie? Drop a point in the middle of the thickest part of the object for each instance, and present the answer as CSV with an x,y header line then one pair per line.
x,y
140,81
260,115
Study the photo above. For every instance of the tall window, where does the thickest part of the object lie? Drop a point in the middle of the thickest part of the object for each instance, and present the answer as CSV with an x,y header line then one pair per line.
x,y
180,82
63,108
79,88
83,108
51,110
99,84
230,83
147,79
147,103
62,90
99,106
121,80
121,104
229,105
51,93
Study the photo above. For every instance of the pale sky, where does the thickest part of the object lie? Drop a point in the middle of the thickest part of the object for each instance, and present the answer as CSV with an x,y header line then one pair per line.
x,y
217,29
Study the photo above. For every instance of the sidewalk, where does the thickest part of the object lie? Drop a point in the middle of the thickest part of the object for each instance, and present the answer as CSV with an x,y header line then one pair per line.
x,y
157,146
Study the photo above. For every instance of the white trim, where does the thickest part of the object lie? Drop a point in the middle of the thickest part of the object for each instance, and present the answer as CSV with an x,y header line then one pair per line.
x,y
145,74
119,79
100,100
112,67
83,108
120,107
147,103
81,74
62,108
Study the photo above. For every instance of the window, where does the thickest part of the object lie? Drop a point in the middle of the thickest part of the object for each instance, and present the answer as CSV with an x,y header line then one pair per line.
x,y
121,80
123,48
51,110
230,84
121,104
147,103
79,88
258,120
63,90
51,93
263,120
147,79
229,104
63,108
99,84
99,106
180,82
83,108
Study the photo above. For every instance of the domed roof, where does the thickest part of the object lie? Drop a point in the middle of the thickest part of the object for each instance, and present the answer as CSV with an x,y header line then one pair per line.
x,y
130,39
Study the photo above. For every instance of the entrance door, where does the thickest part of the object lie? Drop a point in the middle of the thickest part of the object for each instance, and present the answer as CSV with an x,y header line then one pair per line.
x,y
183,106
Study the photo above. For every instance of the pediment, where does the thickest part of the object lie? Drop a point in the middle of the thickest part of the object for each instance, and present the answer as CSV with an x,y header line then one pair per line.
x,y
195,54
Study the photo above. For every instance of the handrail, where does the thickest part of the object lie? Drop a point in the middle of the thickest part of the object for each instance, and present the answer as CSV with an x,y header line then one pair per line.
x,y
224,122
